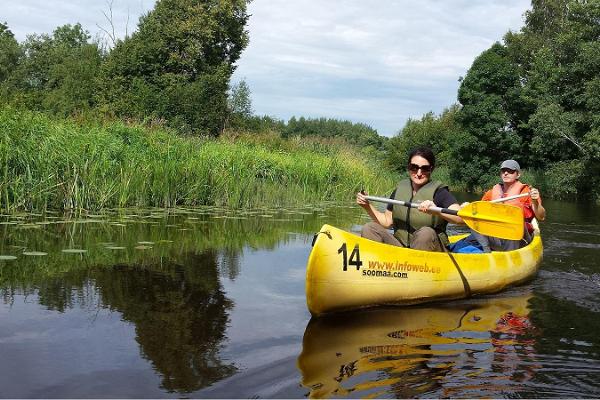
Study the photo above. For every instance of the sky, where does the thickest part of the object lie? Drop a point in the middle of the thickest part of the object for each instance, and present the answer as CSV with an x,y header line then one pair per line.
x,y
377,62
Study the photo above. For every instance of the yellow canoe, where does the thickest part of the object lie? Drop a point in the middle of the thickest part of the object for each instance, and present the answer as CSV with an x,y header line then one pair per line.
x,y
419,351
346,272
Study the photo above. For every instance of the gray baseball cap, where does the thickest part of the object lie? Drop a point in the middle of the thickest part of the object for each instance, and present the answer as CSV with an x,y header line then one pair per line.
x,y
511,164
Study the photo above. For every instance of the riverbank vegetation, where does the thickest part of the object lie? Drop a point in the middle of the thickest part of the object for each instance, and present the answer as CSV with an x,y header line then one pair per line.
x,y
49,163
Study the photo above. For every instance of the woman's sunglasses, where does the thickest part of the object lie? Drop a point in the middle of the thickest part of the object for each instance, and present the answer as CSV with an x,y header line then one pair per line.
x,y
415,168
507,171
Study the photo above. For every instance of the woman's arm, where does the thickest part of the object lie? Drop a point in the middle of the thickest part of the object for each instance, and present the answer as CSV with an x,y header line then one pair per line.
x,y
382,218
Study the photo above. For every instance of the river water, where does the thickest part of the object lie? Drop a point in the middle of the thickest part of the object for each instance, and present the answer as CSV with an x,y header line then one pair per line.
x,y
208,302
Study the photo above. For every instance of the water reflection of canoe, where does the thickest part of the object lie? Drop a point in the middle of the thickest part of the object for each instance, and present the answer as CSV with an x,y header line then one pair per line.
x,y
345,271
413,351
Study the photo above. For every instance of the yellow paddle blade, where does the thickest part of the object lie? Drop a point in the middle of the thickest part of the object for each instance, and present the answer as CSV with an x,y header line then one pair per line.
x,y
494,219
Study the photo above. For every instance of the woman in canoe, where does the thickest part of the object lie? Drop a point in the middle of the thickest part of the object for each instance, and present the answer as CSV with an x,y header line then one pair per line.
x,y
422,229
510,172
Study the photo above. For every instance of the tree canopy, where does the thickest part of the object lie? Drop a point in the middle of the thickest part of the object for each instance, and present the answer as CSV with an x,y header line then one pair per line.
x,y
535,98
50,72
177,66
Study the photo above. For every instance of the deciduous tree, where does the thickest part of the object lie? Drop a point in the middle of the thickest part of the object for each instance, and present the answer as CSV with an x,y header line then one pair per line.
x,y
177,66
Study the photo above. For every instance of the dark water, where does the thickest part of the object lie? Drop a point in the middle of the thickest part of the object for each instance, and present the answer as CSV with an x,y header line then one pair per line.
x,y
210,303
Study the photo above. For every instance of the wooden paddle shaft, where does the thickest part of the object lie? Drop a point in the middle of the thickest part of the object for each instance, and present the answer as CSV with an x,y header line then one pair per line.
x,y
438,209
500,200
409,204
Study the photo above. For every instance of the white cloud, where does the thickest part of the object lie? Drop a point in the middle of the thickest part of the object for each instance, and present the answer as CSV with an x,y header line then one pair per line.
x,y
25,17
378,62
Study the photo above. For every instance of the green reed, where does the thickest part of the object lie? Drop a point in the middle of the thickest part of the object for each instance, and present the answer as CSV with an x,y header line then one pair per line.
x,y
58,164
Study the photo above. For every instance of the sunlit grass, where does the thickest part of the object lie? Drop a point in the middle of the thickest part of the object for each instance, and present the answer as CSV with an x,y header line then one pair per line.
x,y
58,164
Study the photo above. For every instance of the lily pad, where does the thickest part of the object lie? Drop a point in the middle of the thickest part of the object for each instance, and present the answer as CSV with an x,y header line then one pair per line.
x,y
34,253
142,247
115,247
29,226
145,243
7,258
74,251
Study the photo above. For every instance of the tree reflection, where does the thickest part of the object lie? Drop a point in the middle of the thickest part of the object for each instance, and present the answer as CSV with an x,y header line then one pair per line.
x,y
179,310
180,314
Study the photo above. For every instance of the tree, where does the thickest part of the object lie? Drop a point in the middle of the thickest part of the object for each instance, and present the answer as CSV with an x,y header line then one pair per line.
x,y
178,65
433,131
57,73
559,52
488,118
240,102
239,106
10,53
535,98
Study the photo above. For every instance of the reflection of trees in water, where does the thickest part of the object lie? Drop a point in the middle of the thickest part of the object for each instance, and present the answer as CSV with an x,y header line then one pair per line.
x,y
230,263
179,310
180,314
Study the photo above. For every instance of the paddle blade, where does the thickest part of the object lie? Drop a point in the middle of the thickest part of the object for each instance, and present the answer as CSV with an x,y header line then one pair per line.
x,y
494,219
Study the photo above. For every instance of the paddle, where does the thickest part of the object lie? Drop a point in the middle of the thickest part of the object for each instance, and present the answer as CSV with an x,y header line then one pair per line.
x,y
516,196
492,219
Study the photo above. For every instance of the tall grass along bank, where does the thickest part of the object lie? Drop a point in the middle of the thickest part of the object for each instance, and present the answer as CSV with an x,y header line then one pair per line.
x,y
58,164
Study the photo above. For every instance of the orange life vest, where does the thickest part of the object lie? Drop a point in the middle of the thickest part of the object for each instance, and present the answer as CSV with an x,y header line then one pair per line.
x,y
497,192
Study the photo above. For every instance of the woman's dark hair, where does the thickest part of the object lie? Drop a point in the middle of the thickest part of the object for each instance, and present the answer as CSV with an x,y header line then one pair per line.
x,y
424,152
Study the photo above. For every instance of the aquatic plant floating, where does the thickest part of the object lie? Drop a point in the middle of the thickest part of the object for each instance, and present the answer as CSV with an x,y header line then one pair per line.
x,y
34,253
74,251
7,258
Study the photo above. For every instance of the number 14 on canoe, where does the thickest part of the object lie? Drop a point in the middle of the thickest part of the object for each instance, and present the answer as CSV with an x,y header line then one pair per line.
x,y
492,219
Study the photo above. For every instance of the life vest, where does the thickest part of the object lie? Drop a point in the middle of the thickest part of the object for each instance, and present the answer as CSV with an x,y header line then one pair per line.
x,y
407,220
497,192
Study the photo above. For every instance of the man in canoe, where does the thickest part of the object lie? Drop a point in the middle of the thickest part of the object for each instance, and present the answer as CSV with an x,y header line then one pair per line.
x,y
423,229
510,173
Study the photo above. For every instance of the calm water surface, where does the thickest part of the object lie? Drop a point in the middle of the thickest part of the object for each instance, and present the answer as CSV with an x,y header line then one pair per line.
x,y
210,303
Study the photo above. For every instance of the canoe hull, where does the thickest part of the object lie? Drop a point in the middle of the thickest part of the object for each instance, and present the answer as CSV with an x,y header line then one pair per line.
x,y
346,272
